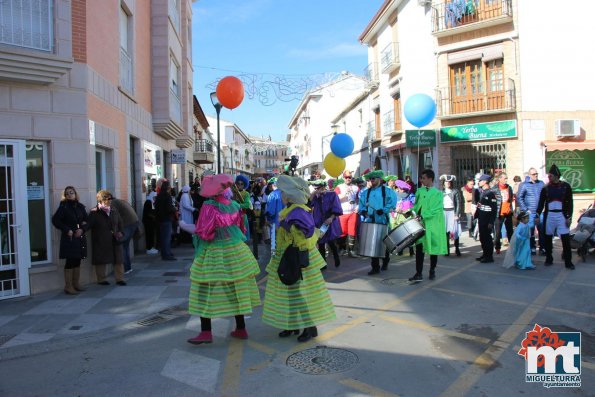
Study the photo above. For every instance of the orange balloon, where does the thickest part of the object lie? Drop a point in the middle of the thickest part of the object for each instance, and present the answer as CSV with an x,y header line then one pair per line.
x,y
230,92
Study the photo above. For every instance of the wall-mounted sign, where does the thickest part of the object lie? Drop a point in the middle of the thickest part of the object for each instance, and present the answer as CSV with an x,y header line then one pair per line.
x,y
91,132
178,156
420,138
479,131
576,167
35,193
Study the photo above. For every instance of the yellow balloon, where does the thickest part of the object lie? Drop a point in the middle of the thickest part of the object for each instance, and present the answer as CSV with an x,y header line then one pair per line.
x,y
333,165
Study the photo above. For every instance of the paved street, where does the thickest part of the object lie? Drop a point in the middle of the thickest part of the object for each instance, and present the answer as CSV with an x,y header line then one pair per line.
x,y
457,335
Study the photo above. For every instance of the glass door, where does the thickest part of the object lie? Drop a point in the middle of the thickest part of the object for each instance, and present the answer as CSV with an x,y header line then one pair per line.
x,y
15,257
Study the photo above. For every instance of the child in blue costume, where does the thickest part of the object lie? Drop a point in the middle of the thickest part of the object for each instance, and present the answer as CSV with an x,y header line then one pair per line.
x,y
519,251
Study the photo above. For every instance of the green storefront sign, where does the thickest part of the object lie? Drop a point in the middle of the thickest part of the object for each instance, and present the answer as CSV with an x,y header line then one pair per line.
x,y
420,138
479,131
577,168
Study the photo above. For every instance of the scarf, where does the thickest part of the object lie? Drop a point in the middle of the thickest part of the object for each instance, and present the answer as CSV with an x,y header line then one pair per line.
x,y
468,189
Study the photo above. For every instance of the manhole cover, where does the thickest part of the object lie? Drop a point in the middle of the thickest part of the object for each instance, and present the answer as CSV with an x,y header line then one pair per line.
x,y
322,360
147,322
174,274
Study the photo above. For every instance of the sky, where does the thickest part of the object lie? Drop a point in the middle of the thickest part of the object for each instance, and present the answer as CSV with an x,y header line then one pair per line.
x,y
279,49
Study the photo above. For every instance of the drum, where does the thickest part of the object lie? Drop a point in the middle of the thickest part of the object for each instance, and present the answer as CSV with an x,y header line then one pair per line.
x,y
404,235
370,239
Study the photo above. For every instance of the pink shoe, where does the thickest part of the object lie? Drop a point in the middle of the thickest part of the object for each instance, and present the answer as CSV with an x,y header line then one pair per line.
x,y
240,334
203,337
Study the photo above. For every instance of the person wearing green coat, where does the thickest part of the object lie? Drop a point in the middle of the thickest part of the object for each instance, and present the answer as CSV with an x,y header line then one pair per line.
x,y
429,206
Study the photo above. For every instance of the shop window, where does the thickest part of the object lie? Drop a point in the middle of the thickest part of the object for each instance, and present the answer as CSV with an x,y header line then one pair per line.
x,y
37,202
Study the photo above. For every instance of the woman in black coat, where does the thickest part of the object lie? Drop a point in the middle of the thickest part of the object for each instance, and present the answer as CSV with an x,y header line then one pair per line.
x,y
71,218
107,226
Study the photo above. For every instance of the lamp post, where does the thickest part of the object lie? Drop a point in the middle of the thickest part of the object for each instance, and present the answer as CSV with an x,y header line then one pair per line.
x,y
218,106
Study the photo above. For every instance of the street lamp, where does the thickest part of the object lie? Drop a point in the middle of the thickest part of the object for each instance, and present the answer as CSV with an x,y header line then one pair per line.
x,y
218,106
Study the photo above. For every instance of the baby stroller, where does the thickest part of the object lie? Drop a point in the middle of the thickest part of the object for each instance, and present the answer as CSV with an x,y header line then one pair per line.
x,y
582,237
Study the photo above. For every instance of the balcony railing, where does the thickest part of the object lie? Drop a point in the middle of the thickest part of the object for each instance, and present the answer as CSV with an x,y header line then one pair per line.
x,y
453,102
371,72
27,23
389,58
203,152
203,145
388,122
469,13
371,131
126,71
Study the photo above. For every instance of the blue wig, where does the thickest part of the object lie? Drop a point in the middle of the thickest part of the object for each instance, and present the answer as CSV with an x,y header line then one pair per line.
x,y
244,179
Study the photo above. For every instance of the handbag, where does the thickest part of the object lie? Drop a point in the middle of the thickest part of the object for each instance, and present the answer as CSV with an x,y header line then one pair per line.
x,y
291,264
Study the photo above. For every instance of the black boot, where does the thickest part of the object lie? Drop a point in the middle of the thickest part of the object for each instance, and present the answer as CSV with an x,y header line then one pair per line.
x,y
351,247
309,333
567,251
447,244
549,246
457,251
286,333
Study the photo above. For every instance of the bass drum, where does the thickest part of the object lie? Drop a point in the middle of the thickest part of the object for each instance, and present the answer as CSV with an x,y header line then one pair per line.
x,y
370,239
404,235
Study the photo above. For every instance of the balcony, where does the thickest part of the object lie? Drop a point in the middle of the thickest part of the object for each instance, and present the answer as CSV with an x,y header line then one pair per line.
x,y
458,16
373,135
389,58
454,102
371,73
203,152
390,126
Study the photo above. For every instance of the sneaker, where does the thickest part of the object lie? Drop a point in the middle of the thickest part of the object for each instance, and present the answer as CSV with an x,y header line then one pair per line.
x,y
432,274
169,258
570,266
373,271
128,271
542,251
416,278
487,260
152,251
121,282
533,251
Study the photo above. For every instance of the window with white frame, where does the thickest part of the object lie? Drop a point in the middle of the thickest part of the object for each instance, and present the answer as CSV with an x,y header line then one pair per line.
x,y
126,61
100,169
174,14
174,72
27,23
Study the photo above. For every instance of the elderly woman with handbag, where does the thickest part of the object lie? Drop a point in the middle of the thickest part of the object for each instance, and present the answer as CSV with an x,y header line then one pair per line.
x,y
223,273
306,303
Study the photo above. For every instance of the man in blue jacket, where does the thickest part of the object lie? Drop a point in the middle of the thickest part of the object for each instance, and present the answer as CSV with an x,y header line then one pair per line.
x,y
527,199
375,203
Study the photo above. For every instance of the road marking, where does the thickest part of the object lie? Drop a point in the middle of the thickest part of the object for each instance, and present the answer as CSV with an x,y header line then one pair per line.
x,y
262,348
490,298
555,309
474,372
427,327
233,364
366,389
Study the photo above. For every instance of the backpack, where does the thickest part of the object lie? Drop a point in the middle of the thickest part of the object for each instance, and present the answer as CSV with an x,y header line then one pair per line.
x,y
291,264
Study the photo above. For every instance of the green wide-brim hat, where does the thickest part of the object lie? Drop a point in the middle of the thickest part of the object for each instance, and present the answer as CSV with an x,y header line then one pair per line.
x,y
374,174
390,178
317,182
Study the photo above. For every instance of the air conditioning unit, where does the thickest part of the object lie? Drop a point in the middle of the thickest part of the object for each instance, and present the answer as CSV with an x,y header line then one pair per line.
x,y
566,128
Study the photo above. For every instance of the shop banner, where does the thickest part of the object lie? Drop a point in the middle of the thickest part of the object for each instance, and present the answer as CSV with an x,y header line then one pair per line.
x,y
479,131
577,168
421,138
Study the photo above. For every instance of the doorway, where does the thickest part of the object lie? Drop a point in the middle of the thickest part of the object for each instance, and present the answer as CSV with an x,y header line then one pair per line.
x,y
15,257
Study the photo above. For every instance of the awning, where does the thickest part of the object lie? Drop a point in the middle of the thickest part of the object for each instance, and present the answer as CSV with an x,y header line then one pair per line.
x,y
560,145
396,146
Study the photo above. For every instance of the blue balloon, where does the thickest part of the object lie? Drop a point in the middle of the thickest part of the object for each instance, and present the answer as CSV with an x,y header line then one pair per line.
x,y
420,110
342,145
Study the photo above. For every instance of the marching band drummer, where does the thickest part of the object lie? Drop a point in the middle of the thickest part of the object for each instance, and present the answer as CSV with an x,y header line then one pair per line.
x,y
375,205
429,206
